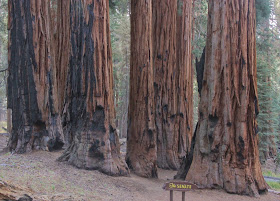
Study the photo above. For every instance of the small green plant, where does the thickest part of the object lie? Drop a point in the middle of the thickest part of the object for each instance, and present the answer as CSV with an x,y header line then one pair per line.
x,y
269,173
274,185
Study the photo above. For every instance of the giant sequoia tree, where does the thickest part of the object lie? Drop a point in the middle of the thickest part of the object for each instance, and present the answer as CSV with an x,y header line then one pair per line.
x,y
31,95
226,148
172,28
89,108
141,135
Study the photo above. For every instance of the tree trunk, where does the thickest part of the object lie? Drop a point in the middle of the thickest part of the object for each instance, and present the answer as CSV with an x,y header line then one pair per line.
x,y
226,151
268,115
164,61
184,87
141,136
62,49
30,93
173,80
89,107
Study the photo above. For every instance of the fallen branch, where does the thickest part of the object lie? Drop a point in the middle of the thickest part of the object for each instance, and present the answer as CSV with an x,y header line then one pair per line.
x,y
3,70
10,192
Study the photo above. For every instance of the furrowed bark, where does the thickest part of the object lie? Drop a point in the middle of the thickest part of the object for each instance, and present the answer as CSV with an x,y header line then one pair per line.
x,y
184,76
141,136
226,151
89,108
63,50
172,25
30,93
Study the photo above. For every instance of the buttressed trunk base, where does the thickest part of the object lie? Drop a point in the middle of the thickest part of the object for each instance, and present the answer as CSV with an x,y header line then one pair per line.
x,y
89,107
226,149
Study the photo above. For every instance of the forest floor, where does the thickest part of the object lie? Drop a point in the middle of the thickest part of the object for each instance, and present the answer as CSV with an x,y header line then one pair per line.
x,y
49,180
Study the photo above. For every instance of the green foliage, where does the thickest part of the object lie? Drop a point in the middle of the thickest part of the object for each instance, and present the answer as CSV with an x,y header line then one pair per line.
x,y
268,84
263,9
274,185
200,26
3,50
269,173
119,6
120,37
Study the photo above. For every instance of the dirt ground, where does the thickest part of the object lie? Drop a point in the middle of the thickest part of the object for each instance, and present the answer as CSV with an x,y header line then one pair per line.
x,y
51,180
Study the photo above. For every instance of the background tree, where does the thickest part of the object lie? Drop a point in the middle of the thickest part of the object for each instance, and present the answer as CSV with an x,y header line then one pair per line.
x,y
268,78
3,64
226,148
89,106
30,93
141,136
120,34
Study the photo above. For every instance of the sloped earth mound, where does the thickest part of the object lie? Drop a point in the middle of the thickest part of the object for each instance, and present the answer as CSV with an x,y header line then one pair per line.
x,y
44,179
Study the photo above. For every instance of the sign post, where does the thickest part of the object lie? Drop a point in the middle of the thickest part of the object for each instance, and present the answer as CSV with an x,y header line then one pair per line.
x,y
179,186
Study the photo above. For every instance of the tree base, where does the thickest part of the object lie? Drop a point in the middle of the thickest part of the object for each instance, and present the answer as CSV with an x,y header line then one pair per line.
x,y
95,157
233,180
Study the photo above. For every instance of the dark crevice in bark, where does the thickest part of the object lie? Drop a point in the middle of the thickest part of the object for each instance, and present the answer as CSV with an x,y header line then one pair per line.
x,y
199,65
187,160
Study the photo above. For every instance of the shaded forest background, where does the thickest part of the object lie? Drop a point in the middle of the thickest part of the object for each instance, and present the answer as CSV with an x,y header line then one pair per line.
x,y
268,61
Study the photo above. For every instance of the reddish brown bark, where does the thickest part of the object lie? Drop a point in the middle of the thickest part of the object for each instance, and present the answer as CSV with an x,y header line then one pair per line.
x,y
184,76
62,48
172,30
30,93
141,135
89,108
62,45
226,151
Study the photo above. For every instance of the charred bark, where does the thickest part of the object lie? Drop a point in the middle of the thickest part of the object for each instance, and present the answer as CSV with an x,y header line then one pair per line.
x,y
226,149
30,93
141,136
199,65
89,108
187,161
172,25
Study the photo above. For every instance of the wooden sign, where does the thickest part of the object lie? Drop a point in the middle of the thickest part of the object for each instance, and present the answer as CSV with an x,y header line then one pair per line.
x,y
179,186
